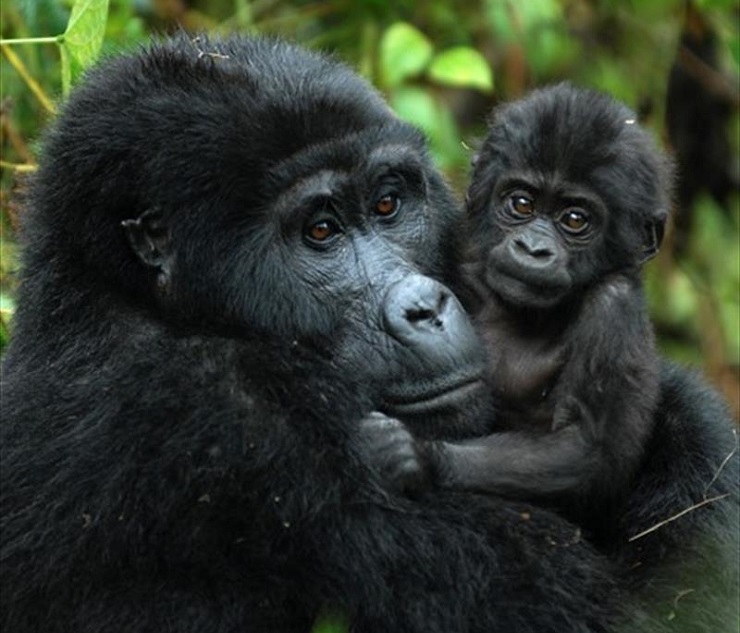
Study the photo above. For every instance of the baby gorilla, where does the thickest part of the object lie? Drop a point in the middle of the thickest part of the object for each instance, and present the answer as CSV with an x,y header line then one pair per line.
x,y
568,199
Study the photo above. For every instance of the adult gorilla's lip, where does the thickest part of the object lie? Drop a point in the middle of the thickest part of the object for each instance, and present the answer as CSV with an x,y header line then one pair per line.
x,y
435,397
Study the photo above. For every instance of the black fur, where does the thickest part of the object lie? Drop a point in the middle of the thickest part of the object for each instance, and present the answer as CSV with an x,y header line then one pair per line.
x,y
214,296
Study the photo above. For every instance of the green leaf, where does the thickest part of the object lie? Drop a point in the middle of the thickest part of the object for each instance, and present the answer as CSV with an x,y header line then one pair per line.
x,y
404,52
555,50
7,308
733,44
331,623
462,67
7,304
499,20
415,106
532,16
418,107
80,43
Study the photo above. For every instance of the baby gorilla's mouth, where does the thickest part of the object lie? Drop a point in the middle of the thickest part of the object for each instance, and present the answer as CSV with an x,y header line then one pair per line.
x,y
426,398
529,293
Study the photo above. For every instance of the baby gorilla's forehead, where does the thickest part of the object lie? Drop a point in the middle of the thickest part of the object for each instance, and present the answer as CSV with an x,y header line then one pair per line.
x,y
562,152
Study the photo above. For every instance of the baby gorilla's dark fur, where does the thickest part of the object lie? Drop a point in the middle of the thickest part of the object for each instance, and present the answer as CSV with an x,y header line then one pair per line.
x,y
569,197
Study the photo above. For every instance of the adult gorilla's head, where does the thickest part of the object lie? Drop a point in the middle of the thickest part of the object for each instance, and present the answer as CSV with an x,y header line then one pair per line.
x,y
295,208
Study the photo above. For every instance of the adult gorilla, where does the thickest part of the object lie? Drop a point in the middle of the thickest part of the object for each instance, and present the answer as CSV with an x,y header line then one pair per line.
x,y
229,264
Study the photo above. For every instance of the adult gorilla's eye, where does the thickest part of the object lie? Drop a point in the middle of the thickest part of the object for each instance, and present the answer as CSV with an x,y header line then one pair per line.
x,y
521,205
574,220
322,231
388,205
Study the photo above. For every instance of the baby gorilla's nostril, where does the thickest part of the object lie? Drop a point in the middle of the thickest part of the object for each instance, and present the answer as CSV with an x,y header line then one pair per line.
x,y
533,248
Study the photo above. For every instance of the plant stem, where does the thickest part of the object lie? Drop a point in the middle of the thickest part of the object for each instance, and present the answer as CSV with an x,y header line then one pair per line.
x,y
30,81
31,40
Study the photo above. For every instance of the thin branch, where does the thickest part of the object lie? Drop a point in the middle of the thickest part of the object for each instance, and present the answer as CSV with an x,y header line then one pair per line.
x,y
8,129
681,594
676,516
30,81
719,470
21,167
712,80
30,40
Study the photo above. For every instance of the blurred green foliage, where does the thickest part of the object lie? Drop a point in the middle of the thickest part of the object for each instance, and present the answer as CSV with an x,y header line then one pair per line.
x,y
443,65
81,41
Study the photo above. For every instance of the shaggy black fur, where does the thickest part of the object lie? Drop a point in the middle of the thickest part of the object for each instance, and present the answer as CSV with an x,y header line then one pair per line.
x,y
229,259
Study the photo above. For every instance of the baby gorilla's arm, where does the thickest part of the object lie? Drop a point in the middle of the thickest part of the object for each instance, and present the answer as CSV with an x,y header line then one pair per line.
x,y
515,464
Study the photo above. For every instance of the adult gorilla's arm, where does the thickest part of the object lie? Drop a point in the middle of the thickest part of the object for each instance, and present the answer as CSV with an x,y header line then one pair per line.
x,y
679,535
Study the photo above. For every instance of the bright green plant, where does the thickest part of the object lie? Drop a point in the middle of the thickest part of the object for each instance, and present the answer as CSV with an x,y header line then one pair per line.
x,y
409,70
79,44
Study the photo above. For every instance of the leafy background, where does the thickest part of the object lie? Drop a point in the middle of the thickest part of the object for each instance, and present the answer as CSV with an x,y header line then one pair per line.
x,y
443,65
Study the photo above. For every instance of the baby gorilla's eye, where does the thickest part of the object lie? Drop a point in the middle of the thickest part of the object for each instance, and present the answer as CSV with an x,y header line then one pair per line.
x,y
521,205
322,231
388,205
574,220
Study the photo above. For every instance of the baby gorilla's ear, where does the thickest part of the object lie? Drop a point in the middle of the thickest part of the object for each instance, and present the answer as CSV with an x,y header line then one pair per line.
x,y
149,237
653,236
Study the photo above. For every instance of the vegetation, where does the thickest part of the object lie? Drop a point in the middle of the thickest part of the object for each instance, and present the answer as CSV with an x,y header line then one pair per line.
x,y
443,65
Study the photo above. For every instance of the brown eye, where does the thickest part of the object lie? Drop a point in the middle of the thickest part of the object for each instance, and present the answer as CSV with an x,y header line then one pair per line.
x,y
574,221
388,205
322,231
521,205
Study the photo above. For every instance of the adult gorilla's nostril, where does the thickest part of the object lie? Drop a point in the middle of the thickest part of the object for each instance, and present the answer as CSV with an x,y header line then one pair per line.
x,y
416,315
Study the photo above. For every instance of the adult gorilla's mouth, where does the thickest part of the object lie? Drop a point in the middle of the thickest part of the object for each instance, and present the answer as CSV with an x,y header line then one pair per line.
x,y
426,398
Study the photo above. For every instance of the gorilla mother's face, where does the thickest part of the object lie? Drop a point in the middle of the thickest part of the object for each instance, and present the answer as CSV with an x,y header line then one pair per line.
x,y
295,208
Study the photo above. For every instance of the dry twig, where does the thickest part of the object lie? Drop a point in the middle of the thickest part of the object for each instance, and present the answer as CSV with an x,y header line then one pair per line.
x,y
677,516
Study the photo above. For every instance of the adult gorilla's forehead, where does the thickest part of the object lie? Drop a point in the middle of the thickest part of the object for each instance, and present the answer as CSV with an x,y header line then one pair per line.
x,y
393,146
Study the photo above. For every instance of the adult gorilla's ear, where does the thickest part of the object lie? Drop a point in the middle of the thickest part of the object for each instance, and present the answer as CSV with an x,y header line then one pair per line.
x,y
149,237
653,237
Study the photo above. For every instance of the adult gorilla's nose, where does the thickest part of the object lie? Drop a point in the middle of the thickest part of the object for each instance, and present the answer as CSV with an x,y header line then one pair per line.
x,y
423,314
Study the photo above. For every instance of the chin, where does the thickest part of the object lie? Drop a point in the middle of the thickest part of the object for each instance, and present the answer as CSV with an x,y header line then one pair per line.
x,y
520,294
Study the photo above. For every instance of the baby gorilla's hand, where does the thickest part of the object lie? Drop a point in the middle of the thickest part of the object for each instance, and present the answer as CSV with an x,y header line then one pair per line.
x,y
392,452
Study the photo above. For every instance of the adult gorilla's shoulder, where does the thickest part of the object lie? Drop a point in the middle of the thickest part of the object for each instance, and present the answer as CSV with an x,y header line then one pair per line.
x,y
233,254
